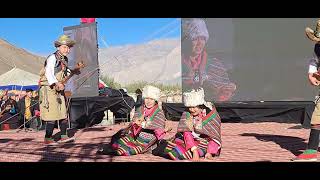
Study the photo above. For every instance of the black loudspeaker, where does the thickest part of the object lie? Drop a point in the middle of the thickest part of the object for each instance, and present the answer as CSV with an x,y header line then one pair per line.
x,y
85,50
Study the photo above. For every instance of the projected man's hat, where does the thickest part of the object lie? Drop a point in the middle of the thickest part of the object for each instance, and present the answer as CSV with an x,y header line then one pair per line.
x,y
64,40
314,35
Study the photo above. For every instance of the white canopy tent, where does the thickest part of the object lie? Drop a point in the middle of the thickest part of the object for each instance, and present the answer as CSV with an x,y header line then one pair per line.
x,y
18,78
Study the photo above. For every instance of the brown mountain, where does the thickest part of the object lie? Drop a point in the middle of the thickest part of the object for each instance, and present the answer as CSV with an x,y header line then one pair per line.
x,y
11,56
156,61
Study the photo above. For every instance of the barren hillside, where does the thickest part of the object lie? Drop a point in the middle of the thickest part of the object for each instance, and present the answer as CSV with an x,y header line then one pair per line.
x,y
155,61
11,56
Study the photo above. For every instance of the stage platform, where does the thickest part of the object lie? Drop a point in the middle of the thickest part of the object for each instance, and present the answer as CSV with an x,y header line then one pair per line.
x,y
242,142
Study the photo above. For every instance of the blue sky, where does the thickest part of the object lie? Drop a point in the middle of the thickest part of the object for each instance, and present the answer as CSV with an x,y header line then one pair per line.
x,y
36,35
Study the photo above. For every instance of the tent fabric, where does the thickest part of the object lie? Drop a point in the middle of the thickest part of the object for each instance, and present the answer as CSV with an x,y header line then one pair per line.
x,y
18,77
19,88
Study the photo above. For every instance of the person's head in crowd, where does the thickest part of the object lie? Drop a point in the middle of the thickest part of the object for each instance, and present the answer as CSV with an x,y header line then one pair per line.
x,y
195,36
151,96
29,93
6,91
35,94
12,96
17,97
4,97
138,91
1,94
194,101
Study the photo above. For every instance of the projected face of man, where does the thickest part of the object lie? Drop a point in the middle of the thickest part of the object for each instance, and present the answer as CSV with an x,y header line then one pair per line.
x,y
64,50
194,111
149,102
198,44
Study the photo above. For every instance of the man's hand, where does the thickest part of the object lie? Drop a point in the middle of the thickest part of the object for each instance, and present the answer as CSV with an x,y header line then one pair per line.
x,y
208,156
313,80
59,86
195,155
37,113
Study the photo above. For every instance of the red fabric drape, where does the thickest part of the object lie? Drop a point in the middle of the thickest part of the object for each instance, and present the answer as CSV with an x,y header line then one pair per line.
x,y
87,20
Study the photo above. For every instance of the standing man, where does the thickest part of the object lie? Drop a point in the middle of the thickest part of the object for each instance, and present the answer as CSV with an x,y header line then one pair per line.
x,y
27,106
51,96
310,154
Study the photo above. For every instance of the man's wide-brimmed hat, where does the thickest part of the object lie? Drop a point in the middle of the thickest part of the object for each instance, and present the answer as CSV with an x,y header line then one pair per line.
x,y
314,35
64,40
